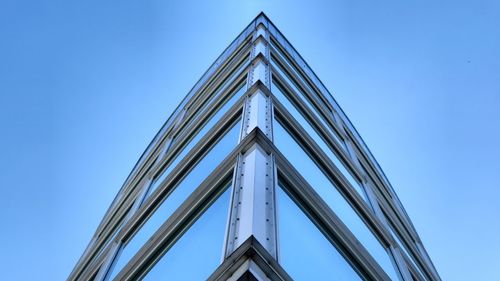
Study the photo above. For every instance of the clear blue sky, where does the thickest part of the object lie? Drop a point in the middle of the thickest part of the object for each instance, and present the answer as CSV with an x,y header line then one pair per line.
x,y
85,85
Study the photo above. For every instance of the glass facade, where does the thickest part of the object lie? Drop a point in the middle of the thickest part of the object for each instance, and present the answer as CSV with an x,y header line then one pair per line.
x,y
179,194
199,248
405,251
195,140
319,140
329,193
299,95
304,252
205,202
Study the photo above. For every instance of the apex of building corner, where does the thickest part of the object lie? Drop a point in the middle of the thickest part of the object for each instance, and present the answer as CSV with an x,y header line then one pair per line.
x,y
263,16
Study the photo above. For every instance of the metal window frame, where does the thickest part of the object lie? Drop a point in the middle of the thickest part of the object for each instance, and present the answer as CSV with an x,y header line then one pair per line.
x,y
374,167
338,181
320,129
328,115
156,144
412,249
101,245
327,222
143,257
251,54
190,132
149,206
135,190
183,168
240,262
324,111
173,132
178,223
367,266
299,131
375,184
332,173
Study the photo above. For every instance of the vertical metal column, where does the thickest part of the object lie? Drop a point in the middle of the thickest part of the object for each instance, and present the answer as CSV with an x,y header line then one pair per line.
x,y
253,203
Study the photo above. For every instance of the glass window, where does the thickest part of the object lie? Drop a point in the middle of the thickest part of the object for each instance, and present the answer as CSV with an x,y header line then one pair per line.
x,y
235,74
332,197
404,250
306,101
319,140
112,235
204,130
198,252
179,195
305,253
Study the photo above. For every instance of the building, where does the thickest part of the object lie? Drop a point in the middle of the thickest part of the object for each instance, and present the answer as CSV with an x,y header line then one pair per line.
x,y
258,175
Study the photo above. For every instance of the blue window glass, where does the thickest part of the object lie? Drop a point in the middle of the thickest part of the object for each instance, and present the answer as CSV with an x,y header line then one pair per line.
x,y
305,253
198,252
229,81
404,250
203,131
178,196
319,140
332,197
306,101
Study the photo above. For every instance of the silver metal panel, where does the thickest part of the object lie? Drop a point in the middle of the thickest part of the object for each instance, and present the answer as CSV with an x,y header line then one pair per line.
x,y
259,71
255,215
258,113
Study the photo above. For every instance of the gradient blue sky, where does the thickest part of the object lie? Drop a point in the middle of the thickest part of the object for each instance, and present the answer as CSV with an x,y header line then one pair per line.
x,y
85,85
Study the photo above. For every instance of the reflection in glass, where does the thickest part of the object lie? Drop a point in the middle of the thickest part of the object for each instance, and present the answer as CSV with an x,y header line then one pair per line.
x,y
305,253
209,125
319,140
332,197
198,252
179,195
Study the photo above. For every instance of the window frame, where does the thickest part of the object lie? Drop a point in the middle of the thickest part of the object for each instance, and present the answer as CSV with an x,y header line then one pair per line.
x,y
235,53
341,154
331,172
294,62
145,257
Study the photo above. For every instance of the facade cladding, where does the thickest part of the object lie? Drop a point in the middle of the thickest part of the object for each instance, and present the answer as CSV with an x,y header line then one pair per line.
x,y
258,175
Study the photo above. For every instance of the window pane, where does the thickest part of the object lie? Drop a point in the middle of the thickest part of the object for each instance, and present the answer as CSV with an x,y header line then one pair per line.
x,y
319,140
179,195
304,252
198,252
404,250
204,130
306,101
332,197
